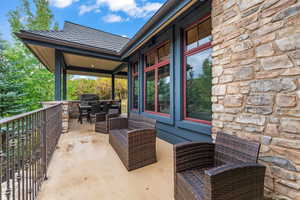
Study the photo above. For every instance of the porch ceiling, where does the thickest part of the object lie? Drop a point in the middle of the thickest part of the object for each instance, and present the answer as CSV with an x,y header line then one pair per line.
x,y
93,74
89,62
77,64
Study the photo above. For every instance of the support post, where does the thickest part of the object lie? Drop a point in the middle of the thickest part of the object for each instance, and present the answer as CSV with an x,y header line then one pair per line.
x,y
64,84
141,82
58,73
113,87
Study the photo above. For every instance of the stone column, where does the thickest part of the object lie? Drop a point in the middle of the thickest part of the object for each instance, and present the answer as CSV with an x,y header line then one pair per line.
x,y
65,113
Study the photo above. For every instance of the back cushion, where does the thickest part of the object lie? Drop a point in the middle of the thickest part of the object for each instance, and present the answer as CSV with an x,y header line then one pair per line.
x,y
231,149
113,111
140,122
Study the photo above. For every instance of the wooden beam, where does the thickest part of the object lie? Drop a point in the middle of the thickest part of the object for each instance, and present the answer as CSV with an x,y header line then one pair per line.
x,y
93,70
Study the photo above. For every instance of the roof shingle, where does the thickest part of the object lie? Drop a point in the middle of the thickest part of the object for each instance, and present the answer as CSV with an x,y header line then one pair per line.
x,y
83,35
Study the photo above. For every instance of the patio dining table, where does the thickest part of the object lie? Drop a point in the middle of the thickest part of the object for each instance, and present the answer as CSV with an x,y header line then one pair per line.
x,y
87,110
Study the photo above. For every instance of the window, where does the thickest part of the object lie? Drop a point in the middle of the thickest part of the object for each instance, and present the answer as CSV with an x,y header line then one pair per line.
x,y
157,80
135,86
150,59
198,72
163,90
198,35
163,52
150,91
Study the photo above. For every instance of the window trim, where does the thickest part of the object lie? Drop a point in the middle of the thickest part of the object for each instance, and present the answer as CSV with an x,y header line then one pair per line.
x,y
155,68
133,75
187,53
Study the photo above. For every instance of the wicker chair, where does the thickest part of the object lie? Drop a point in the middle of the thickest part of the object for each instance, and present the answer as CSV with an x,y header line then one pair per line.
x,y
134,140
102,118
226,170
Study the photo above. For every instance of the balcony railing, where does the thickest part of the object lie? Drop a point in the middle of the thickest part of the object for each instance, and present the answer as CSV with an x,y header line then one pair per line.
x,y
27,143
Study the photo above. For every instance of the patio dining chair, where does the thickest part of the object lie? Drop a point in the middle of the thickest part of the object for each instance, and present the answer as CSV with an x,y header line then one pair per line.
x,y
226,170
95,109
83,113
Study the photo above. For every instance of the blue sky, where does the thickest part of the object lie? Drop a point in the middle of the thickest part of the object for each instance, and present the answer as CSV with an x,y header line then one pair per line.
x,y
123,17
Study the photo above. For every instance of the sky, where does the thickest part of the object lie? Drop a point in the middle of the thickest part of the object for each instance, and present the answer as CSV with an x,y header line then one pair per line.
x,y
122,17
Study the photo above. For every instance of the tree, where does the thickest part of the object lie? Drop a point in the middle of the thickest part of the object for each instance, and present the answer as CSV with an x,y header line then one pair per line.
x,y
37,80
11,91
100,86
199,91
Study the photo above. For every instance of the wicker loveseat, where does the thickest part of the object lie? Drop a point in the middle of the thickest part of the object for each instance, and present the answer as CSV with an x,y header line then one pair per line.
x,y
134,140
226,170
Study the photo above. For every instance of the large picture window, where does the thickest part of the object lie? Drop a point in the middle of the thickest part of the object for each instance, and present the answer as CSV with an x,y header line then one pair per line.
x,y
157,80
135,86
198,72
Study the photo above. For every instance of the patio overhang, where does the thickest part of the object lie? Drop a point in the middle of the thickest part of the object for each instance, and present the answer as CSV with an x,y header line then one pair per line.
x,y
77,59
77,50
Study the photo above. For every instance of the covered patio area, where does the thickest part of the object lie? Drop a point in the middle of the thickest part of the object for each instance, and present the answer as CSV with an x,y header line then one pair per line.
x,y
85,166
77,50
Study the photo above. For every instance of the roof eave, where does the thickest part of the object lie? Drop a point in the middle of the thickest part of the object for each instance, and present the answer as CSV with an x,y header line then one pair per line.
x,y
31,36
167,14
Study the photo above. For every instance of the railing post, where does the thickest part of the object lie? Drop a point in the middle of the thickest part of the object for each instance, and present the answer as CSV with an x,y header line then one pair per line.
x,y
27,143
44,142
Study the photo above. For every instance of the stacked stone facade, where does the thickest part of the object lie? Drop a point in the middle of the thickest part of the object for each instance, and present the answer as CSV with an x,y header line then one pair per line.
x,y
256,84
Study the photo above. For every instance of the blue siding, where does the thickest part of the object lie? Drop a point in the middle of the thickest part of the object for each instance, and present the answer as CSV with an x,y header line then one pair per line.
x,y
174,129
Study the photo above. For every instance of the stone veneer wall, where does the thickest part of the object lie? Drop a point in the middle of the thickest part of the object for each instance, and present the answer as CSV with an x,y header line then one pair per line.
x,y
256,84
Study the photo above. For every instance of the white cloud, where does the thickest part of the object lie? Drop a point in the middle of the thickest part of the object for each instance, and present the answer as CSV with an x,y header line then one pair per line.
x,y
129,7
152,7
62,3
85,9
112,18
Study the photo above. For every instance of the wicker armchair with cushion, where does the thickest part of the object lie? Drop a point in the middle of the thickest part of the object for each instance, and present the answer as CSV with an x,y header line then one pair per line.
x,y
134,140
102,118
226,170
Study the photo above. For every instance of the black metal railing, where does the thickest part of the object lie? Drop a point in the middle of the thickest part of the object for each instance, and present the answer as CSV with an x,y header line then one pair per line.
x,y
27,143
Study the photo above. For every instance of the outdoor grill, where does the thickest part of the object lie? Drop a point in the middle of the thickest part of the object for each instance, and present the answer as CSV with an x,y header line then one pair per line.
x,y
88,99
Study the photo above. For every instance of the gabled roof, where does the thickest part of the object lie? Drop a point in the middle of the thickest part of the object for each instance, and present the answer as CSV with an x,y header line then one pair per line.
x,y
78,34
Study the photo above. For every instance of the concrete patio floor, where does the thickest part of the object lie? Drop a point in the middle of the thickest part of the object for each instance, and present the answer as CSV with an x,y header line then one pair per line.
x,y
85,167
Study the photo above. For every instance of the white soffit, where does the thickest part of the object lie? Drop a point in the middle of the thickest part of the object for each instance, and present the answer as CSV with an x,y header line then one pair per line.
x,y
90,62
45,54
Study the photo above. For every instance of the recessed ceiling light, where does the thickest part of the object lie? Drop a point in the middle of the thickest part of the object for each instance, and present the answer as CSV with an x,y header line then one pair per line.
x,y
92,66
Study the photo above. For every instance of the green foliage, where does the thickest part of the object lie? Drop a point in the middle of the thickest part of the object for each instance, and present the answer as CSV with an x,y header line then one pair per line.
x,y
32,82
11,90
99,86
24,81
